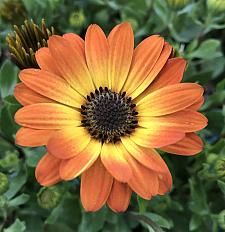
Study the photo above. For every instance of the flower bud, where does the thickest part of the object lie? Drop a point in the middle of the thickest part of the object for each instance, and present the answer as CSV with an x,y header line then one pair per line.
x,y
220,168
12,11
221,219
10,161
216,6
26,41
49,197
178,4
4,183
77,19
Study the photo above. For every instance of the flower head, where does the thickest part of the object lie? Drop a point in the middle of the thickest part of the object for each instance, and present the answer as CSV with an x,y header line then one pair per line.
x,y
102,108
178,4
26,41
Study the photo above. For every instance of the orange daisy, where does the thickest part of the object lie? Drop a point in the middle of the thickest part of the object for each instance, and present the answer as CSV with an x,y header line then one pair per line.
x,y
102,107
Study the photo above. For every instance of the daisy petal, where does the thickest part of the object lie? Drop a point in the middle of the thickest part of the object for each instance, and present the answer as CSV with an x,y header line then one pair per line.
x,y
47,170
96,184
119,197
185,120
144,59
115,162
171,74
156,137
51,86
32,138
68,142
143,181
146,156
46,61
71,168
169,99
71,62
26,96
96,51
197,105
47,116
190,145
154,71
165,182
74,38
121,46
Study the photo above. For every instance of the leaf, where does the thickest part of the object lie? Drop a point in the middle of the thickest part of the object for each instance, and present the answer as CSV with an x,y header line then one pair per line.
x,y
8,125
15,184
93,222
17,226
221,185
209,49
19,200
8,78
195,222
161,221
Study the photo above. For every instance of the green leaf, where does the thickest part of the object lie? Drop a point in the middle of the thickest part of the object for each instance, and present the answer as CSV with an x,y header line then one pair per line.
x,y
161,221
17,226
221,185
93,222
8,78
195,222
19,200
16,183
209,49
8,125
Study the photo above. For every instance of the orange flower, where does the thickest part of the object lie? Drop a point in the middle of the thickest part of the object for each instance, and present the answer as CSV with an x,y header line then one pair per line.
x,y
101,108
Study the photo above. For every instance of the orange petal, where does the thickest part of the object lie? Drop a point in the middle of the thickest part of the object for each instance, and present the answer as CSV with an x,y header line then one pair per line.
x,y
32,138
119,197
26,96
70,59
171,74
154,71
145,57
143,181
185,120
47,116
121,46
47,170
197,105
96,184
156,137
96,50
190,145
68,142
169,99
146,156
71,168
165,182
115,162
46,61
51,86
74,38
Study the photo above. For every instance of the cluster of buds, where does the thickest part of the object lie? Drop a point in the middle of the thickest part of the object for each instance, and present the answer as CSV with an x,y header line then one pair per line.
x,y
4,183
216,6
26,41
77,19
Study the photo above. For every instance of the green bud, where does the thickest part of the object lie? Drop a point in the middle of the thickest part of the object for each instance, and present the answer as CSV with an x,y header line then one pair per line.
x,y
49,197
216,6
220,168
4,183
221,219
178,4
10,161
211,158
26,41
77,19
12,11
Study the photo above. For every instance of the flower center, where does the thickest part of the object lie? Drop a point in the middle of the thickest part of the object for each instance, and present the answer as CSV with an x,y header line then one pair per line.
x,y
108,115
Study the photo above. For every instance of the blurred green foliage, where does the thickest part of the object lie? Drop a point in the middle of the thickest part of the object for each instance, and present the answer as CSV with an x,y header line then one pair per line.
x,y
197,201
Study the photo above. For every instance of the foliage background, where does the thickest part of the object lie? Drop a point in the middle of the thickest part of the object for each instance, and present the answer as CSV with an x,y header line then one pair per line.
x,y
197,201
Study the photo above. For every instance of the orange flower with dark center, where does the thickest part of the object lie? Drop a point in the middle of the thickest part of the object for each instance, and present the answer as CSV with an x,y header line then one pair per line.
x,y
102,107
